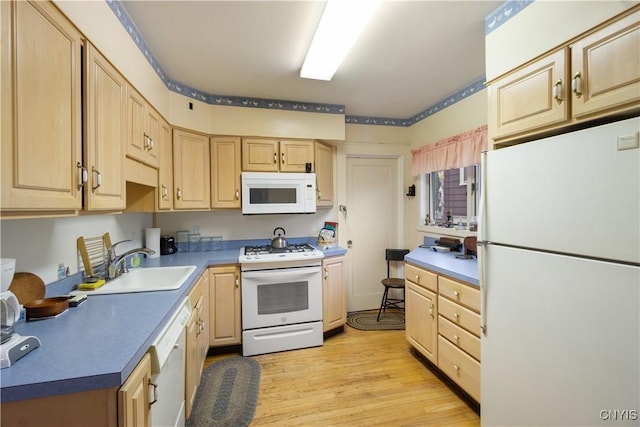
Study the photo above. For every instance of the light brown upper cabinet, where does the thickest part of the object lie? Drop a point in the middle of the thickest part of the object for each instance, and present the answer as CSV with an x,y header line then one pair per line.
x,y
606,69
143,129
191,176
324,174
588,78
41,108
105,110
225,172
273,155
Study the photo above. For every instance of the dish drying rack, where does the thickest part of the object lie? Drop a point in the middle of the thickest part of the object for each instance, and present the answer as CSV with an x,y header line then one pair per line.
x,y
92,253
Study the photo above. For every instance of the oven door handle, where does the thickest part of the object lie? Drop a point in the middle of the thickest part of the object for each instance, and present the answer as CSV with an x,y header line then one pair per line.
x,y
285,272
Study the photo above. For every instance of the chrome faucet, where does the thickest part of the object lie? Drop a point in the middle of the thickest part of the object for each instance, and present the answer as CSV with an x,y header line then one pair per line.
x,y
112,261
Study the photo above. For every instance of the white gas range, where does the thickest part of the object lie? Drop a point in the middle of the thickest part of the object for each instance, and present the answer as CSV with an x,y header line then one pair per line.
x,y
281,298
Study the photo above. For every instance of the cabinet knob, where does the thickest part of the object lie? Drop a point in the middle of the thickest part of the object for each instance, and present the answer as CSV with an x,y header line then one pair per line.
x,y
456,315
164,192
456,293
417,277
456,367
237,194
275,158
283,158
178,193
457,338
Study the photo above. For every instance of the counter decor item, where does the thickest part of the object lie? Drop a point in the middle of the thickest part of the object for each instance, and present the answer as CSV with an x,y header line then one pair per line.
x,y
327,236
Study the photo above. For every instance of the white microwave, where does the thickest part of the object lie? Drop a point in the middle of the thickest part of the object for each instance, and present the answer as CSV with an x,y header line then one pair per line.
x,y
278,193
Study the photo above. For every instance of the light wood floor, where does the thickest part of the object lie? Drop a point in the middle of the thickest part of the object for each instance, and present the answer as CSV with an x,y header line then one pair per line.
x,y
356,378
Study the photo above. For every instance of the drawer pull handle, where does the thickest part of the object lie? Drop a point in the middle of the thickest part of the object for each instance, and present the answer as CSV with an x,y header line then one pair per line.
x,y
576,84
557,92
456,367
456,293
455,337
431,310
456,315
155,392
417,277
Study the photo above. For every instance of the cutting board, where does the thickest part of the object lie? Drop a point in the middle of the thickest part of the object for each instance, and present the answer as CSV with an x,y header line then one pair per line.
x,y
27,287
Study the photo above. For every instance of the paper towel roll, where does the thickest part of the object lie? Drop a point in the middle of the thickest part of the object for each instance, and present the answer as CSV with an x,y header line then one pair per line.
x,y
152,241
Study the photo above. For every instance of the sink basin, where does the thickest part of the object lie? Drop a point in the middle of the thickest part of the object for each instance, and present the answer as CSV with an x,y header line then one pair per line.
x,y
146,280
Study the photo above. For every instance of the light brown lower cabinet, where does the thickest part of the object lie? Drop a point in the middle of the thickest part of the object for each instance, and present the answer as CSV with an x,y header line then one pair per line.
x,y
334,292
443,324
134,396
224,298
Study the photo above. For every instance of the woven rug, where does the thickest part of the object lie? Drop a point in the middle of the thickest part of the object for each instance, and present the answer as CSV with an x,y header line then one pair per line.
x,y
228,393
366,320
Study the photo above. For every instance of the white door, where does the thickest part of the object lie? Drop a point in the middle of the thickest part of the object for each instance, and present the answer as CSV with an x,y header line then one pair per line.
x,y
372,224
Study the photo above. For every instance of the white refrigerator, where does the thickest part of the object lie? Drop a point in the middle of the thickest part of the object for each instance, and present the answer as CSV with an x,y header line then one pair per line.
x,y
559,257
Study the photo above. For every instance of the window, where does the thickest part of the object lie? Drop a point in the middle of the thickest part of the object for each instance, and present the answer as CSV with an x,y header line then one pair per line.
x,y
453,195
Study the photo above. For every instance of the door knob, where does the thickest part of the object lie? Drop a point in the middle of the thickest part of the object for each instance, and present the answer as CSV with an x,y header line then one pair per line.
x,y
349,243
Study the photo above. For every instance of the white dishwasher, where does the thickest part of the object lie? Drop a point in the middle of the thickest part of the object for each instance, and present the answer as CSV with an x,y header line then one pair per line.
x,y
168,370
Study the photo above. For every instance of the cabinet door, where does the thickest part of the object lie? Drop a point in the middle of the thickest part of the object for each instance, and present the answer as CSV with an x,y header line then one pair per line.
x,y
224,309
531,98
203,319
41,108
152,135
421,312
259,155
165,171
135,132
134,396
225,172
105,97
605,67
191,170
192,362
334,292
324,174
295,154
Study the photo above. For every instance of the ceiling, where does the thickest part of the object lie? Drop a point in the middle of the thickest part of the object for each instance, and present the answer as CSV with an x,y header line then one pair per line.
x,y
412,55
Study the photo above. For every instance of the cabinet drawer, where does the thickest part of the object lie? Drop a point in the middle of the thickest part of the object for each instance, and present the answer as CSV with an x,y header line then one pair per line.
x,y
460,367
421,277
459,337
459,315
459,292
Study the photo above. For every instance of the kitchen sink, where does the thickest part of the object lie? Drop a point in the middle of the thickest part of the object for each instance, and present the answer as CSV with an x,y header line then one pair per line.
x,y
146,280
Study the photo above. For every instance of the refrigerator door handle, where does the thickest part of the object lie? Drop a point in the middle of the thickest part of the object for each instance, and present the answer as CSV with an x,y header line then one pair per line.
x,y
482,243
482,248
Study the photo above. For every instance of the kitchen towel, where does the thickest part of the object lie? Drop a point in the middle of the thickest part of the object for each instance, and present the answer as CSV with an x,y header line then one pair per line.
x,y
152,241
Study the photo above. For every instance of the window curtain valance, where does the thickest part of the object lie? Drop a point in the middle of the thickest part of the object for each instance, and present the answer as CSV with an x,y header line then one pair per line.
x,y
457,151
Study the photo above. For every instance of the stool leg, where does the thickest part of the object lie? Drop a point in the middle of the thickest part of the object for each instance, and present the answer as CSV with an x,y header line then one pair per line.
x,y
383,303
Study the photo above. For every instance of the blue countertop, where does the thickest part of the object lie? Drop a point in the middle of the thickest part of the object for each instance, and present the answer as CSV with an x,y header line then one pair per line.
x,y
98,344
445,263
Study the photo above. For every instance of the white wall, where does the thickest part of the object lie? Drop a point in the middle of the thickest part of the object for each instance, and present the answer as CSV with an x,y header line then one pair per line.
x,y
542,26
232,225
39,245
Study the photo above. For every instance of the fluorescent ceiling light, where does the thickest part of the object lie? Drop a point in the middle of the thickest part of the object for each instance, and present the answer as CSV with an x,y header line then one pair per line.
x,y
340,26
